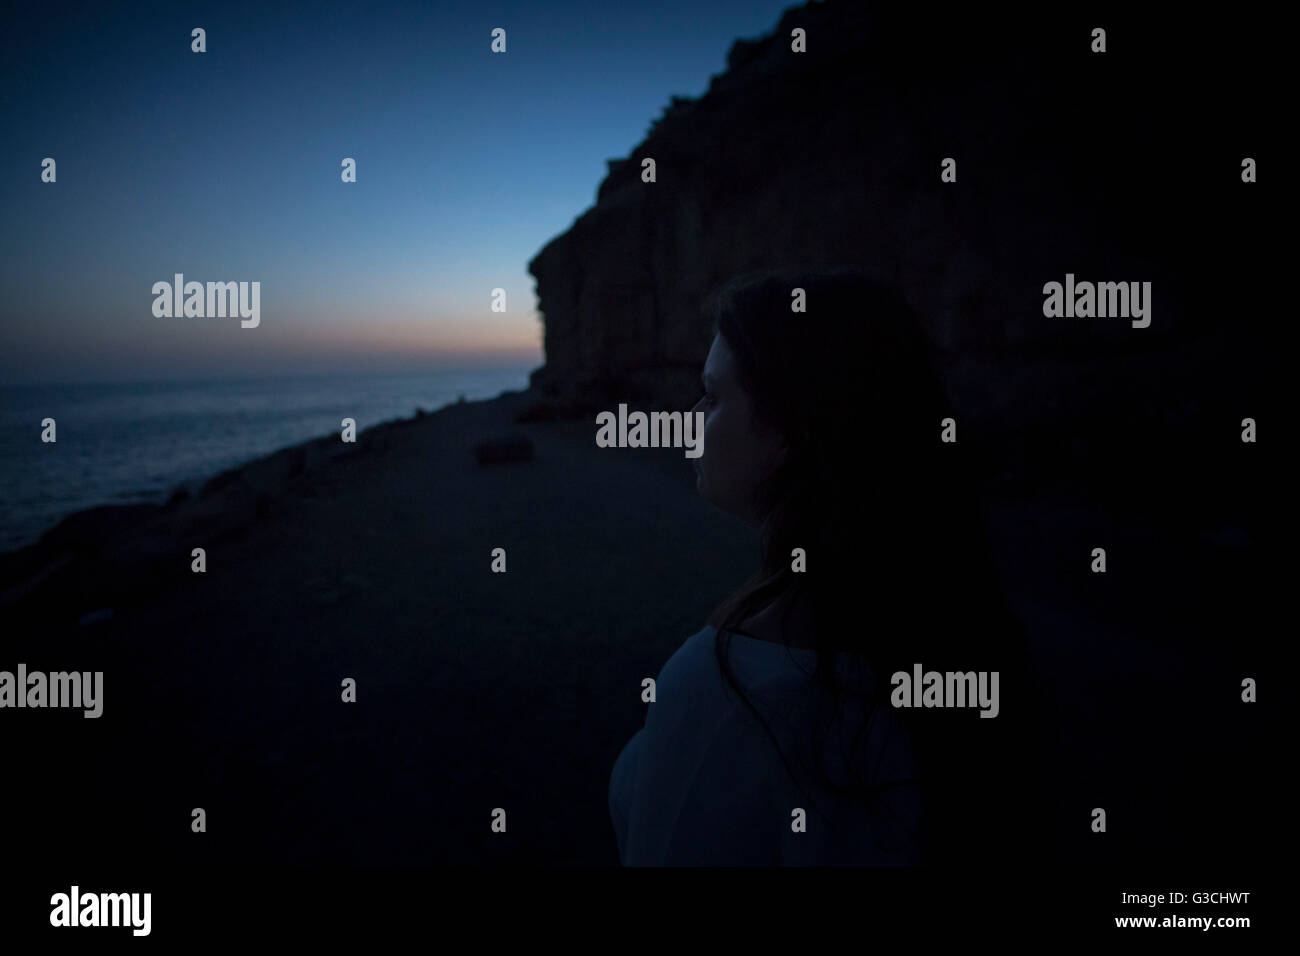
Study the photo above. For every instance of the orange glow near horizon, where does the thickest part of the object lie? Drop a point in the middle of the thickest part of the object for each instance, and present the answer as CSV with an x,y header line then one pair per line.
x,y
415,335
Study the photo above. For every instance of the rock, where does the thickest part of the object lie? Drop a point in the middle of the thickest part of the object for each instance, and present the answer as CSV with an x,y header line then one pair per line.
x,y
1229,537
832,157
506,448
541,411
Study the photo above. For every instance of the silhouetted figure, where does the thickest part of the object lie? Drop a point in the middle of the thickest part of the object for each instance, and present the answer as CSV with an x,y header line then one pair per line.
x,y
773,739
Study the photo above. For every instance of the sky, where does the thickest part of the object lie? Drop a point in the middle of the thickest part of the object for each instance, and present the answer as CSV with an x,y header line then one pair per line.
x,y
225,166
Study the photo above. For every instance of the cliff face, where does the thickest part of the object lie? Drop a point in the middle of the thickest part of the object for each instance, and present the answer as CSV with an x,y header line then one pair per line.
x,y
1068,161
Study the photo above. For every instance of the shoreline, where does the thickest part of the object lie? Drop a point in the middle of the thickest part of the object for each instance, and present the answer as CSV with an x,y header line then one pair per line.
x,y
192,486
154,439
91,531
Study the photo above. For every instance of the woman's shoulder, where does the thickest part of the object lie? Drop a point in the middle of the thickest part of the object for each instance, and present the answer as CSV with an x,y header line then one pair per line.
x,y
757,663
693,695
689,655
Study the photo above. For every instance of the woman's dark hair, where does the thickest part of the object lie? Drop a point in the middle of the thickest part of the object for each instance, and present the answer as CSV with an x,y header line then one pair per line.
x,y
898,568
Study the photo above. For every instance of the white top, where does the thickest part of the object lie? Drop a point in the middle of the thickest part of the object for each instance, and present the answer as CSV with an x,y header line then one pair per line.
x,y
702,783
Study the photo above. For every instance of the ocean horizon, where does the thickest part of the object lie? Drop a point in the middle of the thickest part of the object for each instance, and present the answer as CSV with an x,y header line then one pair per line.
x,y
129,443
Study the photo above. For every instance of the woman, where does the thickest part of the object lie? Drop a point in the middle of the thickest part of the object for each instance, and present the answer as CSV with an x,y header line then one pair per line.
x,y
772,738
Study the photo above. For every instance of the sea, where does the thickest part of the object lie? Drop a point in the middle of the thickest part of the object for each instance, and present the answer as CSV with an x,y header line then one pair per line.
x,y
127,443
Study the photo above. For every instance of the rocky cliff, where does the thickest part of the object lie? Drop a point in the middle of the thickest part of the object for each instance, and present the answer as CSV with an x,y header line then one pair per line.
x,y
1114,166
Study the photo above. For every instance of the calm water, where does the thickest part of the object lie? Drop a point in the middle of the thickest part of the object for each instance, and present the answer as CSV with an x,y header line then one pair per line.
x,y
121,443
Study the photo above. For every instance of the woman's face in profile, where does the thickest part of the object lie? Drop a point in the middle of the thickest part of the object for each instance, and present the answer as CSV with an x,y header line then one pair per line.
x,y
739,449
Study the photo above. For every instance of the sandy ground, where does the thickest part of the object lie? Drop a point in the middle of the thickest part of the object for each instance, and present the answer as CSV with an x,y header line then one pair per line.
x,y
478,690
475,690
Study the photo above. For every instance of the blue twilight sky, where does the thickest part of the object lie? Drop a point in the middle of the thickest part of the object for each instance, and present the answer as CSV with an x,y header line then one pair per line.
x,y
225,166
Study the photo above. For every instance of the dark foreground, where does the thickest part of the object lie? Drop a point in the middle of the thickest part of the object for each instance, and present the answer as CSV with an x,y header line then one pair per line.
x,y
478,690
